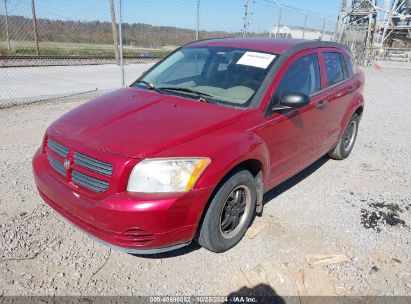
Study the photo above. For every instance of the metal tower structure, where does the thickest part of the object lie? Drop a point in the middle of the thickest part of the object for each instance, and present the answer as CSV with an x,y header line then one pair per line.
x,y
358,24
357,21
397,24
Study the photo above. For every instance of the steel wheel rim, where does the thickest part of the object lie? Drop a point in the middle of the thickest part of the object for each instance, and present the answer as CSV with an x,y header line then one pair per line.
x,y
349,135
235,211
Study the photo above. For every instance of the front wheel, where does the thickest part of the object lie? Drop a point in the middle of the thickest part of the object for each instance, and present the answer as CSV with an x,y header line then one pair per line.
x,y
230,212
346,143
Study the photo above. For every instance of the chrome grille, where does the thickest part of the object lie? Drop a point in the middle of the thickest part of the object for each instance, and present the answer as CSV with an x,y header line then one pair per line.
x,y
57,148
89,182
58,166
83,161
93,164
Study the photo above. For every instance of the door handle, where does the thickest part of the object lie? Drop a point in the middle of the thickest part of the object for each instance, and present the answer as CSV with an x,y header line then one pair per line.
x,y
322,105
351,89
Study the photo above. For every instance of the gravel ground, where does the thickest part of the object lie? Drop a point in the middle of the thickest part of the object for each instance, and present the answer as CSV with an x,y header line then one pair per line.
x,y
359,208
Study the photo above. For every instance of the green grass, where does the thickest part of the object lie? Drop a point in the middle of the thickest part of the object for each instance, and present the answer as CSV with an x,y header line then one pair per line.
x,y
81,52
3,52
161,54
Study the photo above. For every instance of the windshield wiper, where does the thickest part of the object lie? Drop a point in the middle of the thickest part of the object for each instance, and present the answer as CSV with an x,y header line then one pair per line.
x,y
186,90
150,86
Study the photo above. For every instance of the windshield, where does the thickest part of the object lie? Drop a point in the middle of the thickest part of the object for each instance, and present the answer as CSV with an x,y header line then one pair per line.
x,y
212,74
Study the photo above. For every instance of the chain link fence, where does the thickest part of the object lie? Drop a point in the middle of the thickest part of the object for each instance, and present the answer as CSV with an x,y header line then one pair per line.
x,y
380,57
55,48
376,56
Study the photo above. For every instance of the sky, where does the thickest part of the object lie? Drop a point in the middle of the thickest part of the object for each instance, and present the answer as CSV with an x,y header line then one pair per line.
x,y
226,15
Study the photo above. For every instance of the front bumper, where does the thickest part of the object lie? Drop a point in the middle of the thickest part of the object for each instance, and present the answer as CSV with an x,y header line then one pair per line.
x,y
136,223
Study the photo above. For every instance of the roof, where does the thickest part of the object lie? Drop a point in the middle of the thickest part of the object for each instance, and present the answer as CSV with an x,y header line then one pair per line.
x,y
271,45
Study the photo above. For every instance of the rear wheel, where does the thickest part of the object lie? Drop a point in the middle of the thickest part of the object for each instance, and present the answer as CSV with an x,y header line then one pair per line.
x,y
230,212
347,141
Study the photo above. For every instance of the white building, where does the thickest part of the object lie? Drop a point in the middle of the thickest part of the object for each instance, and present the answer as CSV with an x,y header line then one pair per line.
x,y
298,32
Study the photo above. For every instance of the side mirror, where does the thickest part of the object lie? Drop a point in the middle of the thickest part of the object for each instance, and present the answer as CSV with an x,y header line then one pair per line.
x,y
295,100
292,100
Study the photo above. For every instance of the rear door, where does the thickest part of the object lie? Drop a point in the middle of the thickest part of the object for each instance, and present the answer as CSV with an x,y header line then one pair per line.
x,y
340,85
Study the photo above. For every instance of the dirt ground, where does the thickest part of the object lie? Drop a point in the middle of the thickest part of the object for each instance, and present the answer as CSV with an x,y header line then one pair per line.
x,y
356,212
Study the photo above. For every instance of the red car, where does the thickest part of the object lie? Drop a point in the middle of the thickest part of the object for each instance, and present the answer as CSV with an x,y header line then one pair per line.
x,y
188,150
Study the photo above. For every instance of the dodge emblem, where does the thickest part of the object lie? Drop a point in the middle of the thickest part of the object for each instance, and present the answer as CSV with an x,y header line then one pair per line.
x,y
67,164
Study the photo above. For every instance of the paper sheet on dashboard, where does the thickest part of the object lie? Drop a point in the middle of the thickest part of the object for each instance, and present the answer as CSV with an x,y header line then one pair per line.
x,y
256,59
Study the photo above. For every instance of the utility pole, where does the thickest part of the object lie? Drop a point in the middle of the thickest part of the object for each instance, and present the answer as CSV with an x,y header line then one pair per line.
x,y
7,26
324,26
246,16
305,25
280,12
198,21
114,29
339,23
120,28
36,38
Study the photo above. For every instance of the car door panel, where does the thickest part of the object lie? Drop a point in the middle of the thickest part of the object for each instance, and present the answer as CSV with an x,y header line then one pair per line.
x,y
339,96
295,141
295,136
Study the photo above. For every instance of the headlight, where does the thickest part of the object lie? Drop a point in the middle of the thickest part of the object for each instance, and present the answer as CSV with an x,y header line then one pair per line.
x,y
166,175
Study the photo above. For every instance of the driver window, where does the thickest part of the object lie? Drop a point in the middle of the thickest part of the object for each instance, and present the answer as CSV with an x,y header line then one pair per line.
x,y
303,76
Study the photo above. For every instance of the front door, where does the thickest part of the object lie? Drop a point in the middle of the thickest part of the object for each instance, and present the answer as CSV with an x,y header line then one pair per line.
x,y
295,136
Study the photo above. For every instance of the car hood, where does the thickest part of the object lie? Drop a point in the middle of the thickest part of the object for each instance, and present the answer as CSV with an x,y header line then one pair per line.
x,y
138,123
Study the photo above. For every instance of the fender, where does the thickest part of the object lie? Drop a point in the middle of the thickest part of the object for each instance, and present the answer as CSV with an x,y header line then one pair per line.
x,y
227,150
250,147
352,108
356,102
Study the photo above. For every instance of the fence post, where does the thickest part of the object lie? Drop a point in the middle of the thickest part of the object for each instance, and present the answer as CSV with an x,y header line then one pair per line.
x,y
7,26
36,38
120,29
114,30
198,21
279,20
305,25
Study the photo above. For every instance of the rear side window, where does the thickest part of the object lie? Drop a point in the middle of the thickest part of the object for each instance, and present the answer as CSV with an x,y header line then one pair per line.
x,y
350,66
336,71
303,76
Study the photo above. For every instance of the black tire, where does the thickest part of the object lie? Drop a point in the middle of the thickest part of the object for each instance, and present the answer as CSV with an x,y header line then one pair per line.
x,y
238,185
347,140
